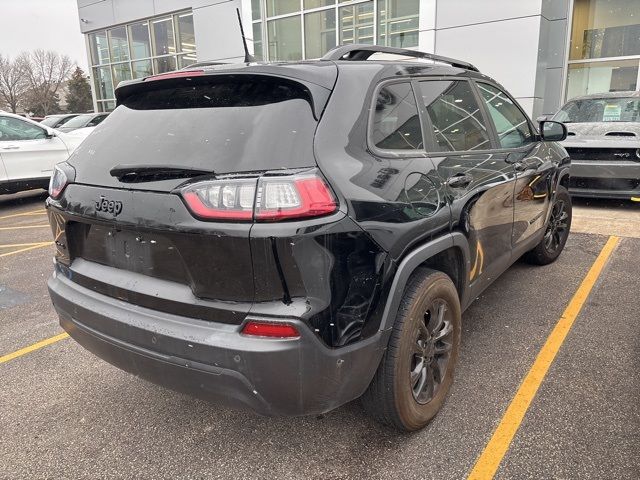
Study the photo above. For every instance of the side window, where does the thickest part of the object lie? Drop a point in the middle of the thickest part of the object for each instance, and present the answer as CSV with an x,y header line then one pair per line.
x,y
396,124
12,129
455,116
511,124
96,120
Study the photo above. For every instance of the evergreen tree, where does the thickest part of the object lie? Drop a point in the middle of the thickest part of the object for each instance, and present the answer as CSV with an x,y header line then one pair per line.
x,y
79,93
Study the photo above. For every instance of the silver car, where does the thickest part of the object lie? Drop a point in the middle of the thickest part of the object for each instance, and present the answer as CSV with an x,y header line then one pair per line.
x,y
604,144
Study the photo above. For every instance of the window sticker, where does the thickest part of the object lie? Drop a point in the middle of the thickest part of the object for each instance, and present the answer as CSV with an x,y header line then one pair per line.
x,y
611,113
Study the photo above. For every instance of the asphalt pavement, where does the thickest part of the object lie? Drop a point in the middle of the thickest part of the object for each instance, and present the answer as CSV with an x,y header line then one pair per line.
x,y
66,414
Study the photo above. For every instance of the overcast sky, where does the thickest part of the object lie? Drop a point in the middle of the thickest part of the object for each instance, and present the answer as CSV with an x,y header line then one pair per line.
x,y
47,24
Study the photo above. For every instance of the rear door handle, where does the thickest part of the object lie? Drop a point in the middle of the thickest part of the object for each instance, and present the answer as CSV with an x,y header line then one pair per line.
x,y
11,147
460,180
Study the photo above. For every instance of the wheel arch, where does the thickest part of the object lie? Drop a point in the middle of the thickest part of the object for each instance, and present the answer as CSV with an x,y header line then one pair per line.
x,y
437,255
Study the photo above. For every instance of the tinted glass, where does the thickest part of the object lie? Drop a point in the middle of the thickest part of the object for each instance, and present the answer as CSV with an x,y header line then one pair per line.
x,y
398,22
319,33
119,44
600,110
356,23
230,124
12,129
162,35
455,116
396,125
99,48
50,121
511,124
79,121
186,35
285,39
139,38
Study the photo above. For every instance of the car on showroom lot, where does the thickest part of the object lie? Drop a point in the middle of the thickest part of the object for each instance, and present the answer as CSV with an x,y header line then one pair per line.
x,y
83,120
604,144
292,236
58,120
28,152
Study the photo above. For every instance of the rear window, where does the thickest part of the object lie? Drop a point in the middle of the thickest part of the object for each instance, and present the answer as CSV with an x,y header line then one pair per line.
x,y
228,124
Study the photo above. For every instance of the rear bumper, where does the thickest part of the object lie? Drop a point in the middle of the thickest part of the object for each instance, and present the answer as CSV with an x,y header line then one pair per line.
x,y
608,179
213,360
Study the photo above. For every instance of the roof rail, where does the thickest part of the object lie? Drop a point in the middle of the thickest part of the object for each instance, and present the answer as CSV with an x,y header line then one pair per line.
x,y
363,52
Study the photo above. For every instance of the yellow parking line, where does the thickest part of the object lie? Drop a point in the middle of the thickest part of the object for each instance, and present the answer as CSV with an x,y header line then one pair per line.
x,y
26,249
32,212
490,458
35,346
13,245
24,226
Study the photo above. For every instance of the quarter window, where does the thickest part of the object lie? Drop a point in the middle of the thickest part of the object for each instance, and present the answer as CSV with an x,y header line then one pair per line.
x,y
455,116
511,124
396,125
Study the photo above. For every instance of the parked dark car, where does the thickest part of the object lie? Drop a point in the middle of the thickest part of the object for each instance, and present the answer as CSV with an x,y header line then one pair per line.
x,y
604,144
82,121
57,121
292,236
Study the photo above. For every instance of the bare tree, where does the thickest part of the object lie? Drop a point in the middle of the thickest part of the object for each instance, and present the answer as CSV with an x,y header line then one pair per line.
x,y
13,84
45,72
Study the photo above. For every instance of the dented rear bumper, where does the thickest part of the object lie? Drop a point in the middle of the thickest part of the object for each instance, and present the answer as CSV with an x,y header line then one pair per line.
x,y
213,360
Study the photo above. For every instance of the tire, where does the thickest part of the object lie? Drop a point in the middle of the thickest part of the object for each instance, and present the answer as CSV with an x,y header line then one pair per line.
x,y
557,231
430,307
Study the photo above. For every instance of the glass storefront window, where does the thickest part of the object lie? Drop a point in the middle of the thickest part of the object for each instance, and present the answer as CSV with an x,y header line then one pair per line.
x,y
356,23
185,33
139,40
164,64
257,41
285,38
162,37
186,60
141,68
398,23
99,48
318,3
255,9
121,71
103,82
319,32
138,50
605,28
119,44
598,77
282,7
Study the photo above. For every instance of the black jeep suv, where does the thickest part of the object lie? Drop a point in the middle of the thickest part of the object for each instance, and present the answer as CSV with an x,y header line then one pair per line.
x,y
293,236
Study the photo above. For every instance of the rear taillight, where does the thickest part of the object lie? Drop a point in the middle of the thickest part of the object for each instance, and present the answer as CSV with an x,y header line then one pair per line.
x,y
221,199
63,175
270,329
282,198
270,198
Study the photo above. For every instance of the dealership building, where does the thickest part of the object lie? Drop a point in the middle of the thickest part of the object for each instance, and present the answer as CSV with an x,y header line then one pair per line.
x,y
543,51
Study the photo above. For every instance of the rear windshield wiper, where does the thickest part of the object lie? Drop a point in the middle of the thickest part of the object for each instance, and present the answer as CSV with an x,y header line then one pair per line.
x,y
150,173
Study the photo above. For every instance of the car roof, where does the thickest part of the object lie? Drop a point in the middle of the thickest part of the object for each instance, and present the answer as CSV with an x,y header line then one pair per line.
x,y
624,94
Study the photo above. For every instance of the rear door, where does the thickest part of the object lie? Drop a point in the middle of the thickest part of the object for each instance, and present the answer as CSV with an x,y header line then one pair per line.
x,y
26,151
533,164
479,180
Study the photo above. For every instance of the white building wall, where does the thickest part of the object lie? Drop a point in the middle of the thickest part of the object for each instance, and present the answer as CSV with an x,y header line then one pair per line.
x,y
520,43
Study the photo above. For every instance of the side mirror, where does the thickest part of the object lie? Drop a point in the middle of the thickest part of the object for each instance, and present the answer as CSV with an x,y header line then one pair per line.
x,y
551,131
50,133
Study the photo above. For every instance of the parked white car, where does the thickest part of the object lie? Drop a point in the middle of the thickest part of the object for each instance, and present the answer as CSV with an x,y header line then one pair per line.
x,y
28,152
